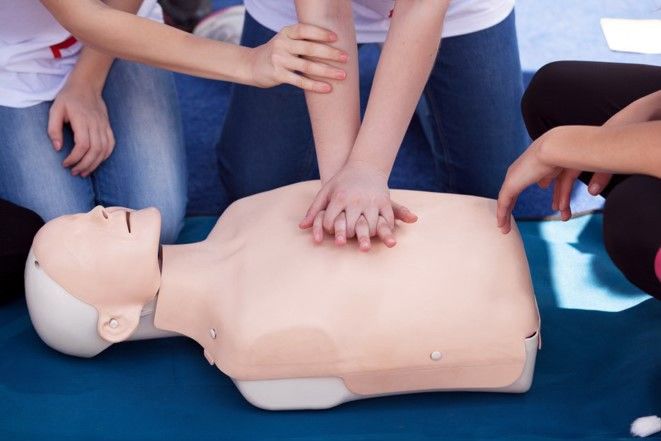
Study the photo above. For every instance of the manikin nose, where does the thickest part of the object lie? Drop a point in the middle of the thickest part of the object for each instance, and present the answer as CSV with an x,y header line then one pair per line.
x,y
99,211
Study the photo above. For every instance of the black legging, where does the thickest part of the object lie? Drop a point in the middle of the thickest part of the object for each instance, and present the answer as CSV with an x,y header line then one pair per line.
x,y
17,229
589,93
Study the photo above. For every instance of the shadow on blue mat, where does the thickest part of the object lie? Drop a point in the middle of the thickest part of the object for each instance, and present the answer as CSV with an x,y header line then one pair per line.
x,y
599,369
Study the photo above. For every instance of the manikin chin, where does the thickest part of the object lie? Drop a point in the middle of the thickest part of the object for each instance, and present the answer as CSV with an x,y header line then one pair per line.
x,y
294,324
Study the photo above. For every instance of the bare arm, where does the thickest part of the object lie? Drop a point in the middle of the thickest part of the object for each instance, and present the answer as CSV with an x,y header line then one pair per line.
x,y
627,149
406,61
335,117
92,66
645,109
629,143
139,39
356,201
134,38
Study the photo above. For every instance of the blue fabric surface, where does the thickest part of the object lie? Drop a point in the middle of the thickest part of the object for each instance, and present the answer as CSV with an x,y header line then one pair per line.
x,y
600,367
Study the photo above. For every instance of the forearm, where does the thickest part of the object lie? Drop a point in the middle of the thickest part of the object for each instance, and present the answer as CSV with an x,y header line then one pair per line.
x,y
647,108
335,117
406,62
125,35
627,149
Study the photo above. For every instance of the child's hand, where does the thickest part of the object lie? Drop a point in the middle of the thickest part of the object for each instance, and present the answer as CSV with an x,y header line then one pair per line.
x,y
295,55
528,169
535,165
84,109
356,202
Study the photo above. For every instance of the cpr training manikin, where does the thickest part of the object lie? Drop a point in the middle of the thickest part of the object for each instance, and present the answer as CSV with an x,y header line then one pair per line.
x,y
299,325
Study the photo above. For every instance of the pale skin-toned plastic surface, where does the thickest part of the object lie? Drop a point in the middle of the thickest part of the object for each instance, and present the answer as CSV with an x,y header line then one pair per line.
x,y
450,307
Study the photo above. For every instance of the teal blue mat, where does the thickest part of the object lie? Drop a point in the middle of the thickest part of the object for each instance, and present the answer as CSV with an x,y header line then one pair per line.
x,y
600,368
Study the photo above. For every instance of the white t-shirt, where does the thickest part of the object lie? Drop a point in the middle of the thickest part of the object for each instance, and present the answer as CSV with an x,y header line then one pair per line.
x,y
372,20
36,53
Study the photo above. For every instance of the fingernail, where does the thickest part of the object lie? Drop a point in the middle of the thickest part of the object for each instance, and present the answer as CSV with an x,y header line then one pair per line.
x,y
594,189
344,57
57,144
340,75
332,36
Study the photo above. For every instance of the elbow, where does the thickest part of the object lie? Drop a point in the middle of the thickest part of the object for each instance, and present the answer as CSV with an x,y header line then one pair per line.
x,y
325,13
78,19
426,9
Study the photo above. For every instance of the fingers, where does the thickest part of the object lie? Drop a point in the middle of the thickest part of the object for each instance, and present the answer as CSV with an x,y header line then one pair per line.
x,y
545,182
363,234
353,213
302,31
81,146
404,214
101,144
336,205
94,154
509,193
318,228
384,231
504,207
55,124
388,215
304,83
317,51
598,182
371,215
340,228
314,68
564,186
318,204
110,136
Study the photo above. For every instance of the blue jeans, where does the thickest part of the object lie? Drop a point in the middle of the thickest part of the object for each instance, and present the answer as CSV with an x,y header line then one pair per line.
x,y
146,168
473,95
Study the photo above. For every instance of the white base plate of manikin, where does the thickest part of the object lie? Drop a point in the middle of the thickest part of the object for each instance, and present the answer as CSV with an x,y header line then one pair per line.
x,y
327,392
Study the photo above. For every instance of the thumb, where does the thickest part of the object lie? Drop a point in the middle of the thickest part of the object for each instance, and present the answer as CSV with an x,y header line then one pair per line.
x,y
319,203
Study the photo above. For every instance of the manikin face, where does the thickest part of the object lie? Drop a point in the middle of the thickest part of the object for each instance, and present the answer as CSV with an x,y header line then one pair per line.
x,y
107,258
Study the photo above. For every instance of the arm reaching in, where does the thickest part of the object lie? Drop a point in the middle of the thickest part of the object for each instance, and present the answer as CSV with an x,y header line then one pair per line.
x,y
356,199
644,109
629,149
125,35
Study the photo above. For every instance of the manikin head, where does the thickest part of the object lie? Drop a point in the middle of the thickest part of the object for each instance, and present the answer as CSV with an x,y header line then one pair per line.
x,y
94,270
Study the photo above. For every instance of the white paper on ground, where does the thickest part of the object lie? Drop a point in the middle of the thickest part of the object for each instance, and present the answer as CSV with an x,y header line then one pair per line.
x,y
639,36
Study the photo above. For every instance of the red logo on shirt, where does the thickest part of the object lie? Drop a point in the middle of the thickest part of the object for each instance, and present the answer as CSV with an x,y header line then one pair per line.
x,y
56,49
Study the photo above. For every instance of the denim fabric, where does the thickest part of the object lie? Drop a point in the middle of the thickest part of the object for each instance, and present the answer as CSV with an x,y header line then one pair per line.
x,y
146,168
473,96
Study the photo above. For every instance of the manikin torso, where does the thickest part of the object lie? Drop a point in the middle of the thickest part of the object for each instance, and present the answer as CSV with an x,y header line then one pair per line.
x,y
450,307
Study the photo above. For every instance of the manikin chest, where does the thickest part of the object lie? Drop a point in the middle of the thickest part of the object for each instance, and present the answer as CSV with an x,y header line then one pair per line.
x,y
450,307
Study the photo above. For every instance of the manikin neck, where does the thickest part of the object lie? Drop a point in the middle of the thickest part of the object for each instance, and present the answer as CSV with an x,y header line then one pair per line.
x,y
189,273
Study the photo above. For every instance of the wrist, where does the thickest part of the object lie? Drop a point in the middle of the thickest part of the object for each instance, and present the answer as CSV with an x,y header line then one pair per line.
x,y
88,83
248,71
366,164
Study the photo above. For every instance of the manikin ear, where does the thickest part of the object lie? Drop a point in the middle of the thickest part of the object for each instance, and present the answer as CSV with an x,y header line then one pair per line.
x,y
118,323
